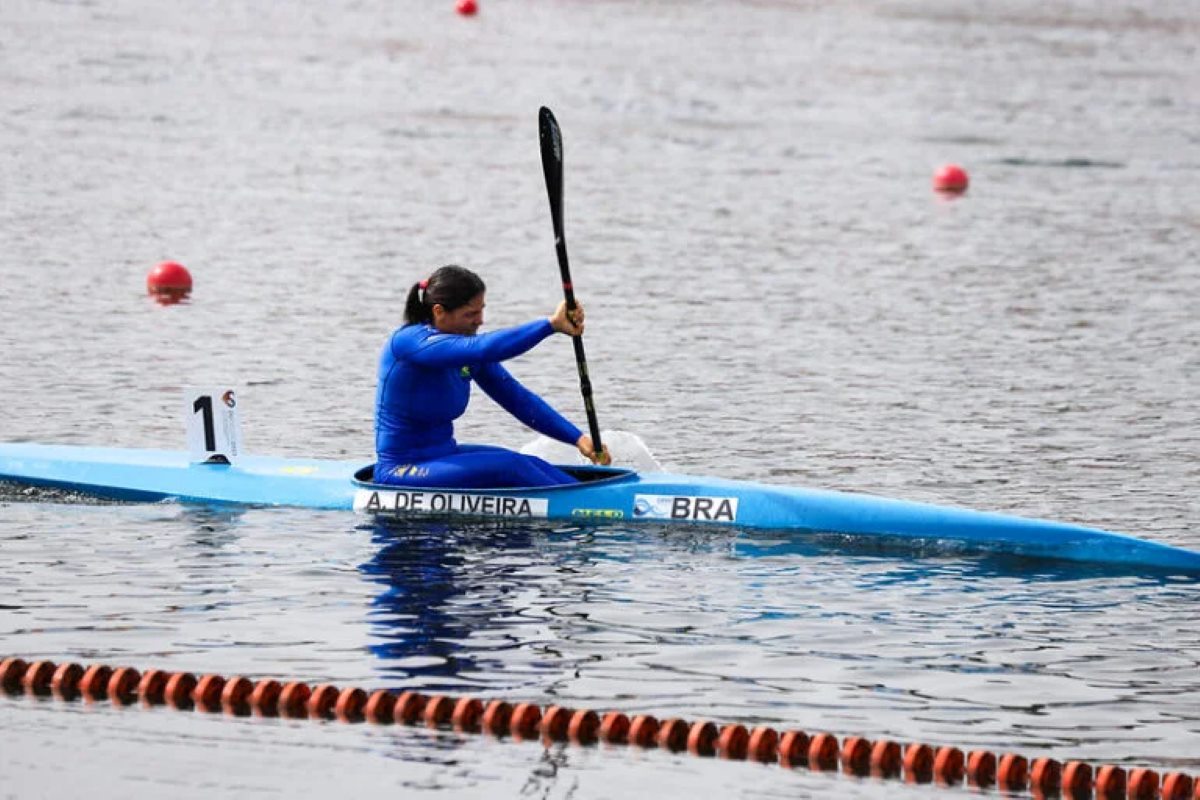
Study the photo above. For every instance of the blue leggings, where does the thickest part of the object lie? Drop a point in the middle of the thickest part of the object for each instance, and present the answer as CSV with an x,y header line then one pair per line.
x,y
474,466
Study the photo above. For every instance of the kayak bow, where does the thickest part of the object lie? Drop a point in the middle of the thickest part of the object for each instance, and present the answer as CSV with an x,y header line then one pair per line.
x,y
604,493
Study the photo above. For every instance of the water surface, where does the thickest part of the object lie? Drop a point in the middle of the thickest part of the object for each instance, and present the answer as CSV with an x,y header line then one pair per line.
x,y
774,294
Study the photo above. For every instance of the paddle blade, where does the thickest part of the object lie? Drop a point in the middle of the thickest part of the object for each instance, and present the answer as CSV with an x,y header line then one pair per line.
x,y
552,164
627,450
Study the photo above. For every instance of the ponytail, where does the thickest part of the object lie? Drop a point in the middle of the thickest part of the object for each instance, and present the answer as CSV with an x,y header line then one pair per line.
x,y
450,287
415,309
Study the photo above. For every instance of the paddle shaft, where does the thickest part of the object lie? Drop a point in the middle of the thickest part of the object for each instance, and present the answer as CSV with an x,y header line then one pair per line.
x,y
551,144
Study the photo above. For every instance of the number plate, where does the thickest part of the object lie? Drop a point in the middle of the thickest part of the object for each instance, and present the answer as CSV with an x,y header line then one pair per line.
x,y
214,429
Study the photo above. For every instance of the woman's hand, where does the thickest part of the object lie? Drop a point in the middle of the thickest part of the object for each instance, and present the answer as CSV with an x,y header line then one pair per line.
x,y
589,451
568,322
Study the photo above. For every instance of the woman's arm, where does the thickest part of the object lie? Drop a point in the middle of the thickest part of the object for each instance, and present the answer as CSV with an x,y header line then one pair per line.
x,y
454,350
523,404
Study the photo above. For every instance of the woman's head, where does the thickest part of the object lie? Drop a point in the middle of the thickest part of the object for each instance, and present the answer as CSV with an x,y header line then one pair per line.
x,y
449,293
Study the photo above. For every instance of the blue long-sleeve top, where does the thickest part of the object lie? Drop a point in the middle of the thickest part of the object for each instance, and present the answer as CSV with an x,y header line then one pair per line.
x,y
425,382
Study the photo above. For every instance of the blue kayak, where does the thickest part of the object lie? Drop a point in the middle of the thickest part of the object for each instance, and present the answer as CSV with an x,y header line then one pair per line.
x,y
603,493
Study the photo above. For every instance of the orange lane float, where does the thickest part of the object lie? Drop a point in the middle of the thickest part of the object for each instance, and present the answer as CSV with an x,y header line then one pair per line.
x,y
1076,779
321,701
856,756
37,677
733,742
1110,783
207,692
180,689
438,710
379,706
672,735
1142,783
949,765
614,728
264,698
11,672
1012,772
823,752
153,686
526,718
1177,786
702,738
123,685
793,748
409,707
94,683
981,768
235,696
554,723
350,704
763,745
497,715
916,761
65,682
885,759
1045,775
642,730
584,726
293,699
466,714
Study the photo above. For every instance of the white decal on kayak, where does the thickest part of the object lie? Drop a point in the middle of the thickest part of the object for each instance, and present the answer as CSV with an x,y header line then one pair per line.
x,y
700,509
381,501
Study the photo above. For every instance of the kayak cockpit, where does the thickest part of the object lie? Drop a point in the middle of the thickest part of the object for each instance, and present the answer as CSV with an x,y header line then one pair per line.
x,y
586,474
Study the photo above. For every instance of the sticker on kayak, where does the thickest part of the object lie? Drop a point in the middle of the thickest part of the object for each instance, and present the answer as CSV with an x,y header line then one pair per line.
x,y
598,513
376,501
700,509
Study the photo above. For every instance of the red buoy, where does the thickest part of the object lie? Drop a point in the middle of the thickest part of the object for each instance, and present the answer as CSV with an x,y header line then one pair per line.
x,y
951,178
169,282
467,7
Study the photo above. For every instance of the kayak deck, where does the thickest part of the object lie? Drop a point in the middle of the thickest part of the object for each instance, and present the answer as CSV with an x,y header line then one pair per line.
x,y
151,475
604,493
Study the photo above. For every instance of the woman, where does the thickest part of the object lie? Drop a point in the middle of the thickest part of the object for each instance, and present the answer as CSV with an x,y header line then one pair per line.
x,y
425,375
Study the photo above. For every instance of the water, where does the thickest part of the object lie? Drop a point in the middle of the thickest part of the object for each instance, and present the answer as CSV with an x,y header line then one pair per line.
x,y
773,294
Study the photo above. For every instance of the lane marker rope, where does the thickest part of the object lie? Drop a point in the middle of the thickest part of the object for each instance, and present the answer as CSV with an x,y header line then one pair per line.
x,y
914,762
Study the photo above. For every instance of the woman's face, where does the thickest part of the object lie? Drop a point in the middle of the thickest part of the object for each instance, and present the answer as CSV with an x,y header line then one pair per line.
x,y
464,320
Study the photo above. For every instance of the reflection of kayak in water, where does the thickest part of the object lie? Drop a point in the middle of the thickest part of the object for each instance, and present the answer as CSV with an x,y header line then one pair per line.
x,y
603,493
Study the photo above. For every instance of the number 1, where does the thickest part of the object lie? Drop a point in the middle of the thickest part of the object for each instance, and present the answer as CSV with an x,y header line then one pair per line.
x,y
204,403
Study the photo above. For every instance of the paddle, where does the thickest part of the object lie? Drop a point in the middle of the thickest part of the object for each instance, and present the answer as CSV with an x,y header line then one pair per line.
x,y
552,165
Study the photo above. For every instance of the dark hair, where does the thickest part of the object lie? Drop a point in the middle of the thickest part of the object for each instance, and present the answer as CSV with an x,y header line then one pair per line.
x,y
450,287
